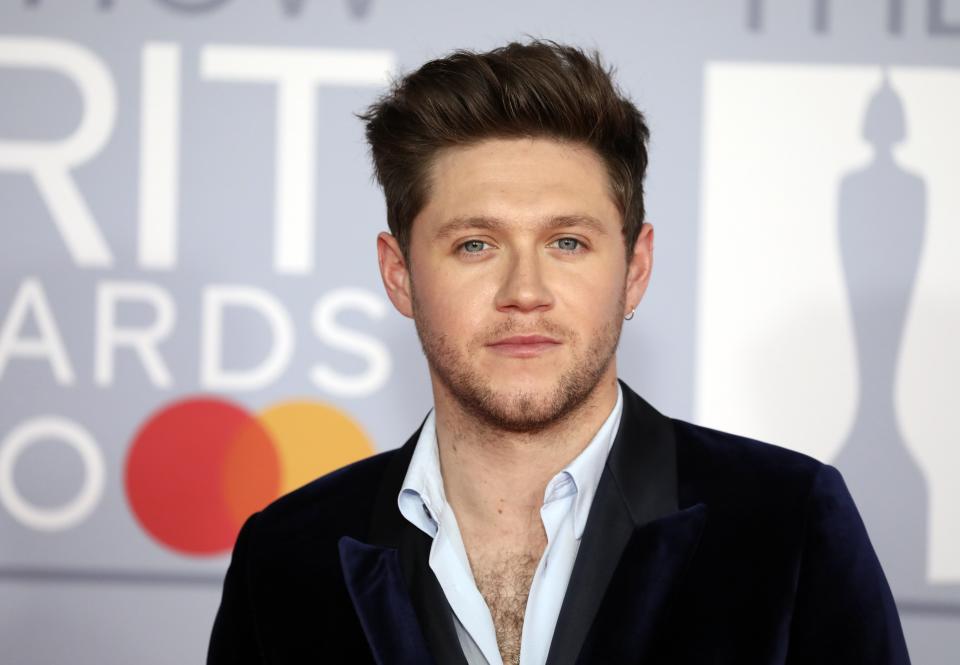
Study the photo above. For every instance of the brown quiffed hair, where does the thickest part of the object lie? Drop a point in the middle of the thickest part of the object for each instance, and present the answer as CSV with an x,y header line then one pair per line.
x,y
537,89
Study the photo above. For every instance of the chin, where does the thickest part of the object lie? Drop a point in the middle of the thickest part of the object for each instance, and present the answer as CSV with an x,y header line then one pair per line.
x,y
521,404
519,412
514,384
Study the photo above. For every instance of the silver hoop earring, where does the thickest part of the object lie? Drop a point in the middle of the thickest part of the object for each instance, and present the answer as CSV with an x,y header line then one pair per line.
x,y
630,315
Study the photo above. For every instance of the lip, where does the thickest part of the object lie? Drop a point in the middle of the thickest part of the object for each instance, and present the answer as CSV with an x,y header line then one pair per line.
x,y
524,346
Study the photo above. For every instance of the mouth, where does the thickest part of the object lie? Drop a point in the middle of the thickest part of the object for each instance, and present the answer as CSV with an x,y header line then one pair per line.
x,y
524,346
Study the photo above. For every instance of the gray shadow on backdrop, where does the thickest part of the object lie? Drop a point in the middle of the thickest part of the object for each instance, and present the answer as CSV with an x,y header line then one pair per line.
x,y
882,219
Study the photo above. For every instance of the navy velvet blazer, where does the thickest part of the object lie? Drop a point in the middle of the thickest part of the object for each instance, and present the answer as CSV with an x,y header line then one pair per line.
x,y
701,547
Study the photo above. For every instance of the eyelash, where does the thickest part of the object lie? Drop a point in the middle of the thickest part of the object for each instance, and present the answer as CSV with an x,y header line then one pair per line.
x,y
461,248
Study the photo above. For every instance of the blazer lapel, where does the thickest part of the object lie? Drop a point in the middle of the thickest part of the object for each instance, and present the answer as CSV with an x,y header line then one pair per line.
x,y
636,604
375,583
401,607
633,549
426,594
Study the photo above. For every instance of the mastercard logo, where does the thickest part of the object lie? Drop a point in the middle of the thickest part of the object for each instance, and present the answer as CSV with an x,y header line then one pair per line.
x,y
199,467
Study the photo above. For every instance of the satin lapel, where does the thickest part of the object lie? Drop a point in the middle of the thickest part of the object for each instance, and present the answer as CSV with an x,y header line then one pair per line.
x,y
392,574
608,531
635,537
376,587
636,604
428,599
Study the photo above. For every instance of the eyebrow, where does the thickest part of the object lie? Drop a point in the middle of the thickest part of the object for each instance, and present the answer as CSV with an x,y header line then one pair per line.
x,y
459,224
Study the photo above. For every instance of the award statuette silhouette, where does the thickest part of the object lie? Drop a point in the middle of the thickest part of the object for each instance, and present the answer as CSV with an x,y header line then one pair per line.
x,y
882,216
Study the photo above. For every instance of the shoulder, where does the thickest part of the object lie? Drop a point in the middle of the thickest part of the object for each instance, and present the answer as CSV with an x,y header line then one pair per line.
x,y
733,452
753,487
723,468
783,534
337,504
284,588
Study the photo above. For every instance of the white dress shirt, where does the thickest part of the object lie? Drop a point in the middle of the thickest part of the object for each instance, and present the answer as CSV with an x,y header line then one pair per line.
x,y
566,505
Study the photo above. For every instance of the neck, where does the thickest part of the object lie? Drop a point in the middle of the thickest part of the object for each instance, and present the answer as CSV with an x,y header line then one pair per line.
x,y
496,476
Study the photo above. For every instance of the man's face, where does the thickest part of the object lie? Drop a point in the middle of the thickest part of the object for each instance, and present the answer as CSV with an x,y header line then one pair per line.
x,y
518,280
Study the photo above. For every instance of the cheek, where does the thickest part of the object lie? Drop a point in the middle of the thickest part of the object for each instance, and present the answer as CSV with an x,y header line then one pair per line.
x,y
591,293
452,305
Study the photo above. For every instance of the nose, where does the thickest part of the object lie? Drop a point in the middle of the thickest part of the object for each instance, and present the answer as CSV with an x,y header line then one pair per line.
x,y
523,287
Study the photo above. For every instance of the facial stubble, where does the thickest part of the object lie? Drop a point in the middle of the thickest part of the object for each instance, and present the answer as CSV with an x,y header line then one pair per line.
x,y
520,411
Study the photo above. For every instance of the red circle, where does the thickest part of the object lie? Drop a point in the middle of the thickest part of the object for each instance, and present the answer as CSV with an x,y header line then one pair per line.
x,y
196,470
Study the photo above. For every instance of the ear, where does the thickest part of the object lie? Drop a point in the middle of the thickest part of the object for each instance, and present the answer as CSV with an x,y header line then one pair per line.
x,y
638,268
394,272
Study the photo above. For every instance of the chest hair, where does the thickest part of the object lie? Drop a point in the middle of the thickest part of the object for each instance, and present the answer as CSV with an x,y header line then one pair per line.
x,y
504,582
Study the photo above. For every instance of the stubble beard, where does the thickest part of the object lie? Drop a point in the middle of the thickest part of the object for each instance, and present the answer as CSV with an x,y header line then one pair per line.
x,y
520,411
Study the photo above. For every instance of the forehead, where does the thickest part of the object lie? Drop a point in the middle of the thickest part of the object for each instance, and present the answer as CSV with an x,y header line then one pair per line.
x,y
518,181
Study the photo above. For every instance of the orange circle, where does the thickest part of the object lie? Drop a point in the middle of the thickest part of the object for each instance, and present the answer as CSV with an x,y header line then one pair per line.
x,y
312,439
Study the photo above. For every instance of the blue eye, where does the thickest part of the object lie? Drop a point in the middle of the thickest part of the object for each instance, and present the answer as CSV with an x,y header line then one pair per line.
x,y
568,244
473,246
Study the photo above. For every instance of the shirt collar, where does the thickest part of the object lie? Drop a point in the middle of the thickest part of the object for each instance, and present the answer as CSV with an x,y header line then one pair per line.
x,y
586,468
422,500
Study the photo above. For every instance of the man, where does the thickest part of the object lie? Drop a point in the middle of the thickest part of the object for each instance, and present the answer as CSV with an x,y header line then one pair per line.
x,y
544,513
